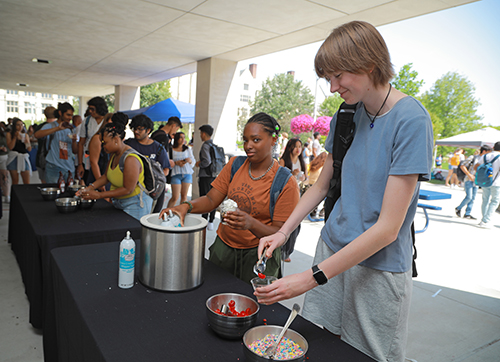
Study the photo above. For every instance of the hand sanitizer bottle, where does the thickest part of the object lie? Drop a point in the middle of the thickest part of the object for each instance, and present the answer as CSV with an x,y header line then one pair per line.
x,y
127,262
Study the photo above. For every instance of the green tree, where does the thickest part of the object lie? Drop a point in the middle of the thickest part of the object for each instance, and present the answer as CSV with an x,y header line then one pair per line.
x,y
330,105
283,98
155,92
110,101
451,100
405,81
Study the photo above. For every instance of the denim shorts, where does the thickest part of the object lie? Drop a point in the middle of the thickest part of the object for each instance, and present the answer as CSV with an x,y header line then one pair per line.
x,y
13,165
185,178
132,205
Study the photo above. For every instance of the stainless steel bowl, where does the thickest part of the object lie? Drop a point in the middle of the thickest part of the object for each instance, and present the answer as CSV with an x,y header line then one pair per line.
x,y
50,193
260,332
231,327
66,205
74,188
86,204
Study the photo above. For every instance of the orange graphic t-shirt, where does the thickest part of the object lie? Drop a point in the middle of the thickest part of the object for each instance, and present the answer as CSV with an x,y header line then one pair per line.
x,y
253,197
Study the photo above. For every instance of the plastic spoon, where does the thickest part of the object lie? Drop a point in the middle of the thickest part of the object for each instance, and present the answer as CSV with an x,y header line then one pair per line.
x,y
271,350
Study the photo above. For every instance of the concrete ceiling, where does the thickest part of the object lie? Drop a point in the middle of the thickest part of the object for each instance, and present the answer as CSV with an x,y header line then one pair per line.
x,y
93,45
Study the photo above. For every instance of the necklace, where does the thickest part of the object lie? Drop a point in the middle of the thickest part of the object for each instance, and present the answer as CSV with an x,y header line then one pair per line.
x,y
258,178
382,106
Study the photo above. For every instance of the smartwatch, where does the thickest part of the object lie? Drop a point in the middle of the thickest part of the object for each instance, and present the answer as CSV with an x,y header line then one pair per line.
x,y
319,276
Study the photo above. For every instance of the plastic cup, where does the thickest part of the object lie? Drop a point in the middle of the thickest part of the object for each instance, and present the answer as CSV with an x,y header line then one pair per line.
x,y
258,282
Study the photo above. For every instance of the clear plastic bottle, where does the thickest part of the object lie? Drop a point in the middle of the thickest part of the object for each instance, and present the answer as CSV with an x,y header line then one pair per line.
x,y
127,262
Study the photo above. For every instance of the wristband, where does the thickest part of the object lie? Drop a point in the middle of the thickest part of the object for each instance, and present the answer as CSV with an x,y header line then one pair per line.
x,y
189,204
286,237
91,184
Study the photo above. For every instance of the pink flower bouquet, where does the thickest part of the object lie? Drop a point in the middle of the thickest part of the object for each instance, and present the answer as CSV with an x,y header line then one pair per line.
x,y
301,124
322,125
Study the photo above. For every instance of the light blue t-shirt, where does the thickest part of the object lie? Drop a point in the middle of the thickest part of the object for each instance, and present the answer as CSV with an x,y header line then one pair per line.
x,y
60,153
400,143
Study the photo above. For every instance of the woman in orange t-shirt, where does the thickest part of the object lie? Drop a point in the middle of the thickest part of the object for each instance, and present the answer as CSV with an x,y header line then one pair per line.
x,y
235,247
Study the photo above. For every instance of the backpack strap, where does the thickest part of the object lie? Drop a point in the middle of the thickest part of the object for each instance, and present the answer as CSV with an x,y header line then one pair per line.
x,y
344,135
280,179
121,162
237,163
87,120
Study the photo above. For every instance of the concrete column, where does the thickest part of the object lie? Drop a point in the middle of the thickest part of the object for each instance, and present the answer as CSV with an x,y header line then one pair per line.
x,y
82,100
127,98
216,104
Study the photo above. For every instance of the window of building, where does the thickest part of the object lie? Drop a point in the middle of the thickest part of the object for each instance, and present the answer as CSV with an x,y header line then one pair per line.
x,y
12,106
245,86
29,94
10,91
62,97
45,105
244,98
46,95
29,108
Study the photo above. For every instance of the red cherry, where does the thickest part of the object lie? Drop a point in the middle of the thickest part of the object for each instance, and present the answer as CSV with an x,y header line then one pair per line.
x,y
262,276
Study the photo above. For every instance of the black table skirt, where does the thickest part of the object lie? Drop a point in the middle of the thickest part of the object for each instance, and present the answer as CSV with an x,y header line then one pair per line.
x,y
97,321
36,227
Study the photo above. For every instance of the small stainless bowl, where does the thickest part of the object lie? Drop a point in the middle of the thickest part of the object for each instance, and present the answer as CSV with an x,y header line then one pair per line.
x,y
74,188
231,327
50,193
66,205
87,204
259,332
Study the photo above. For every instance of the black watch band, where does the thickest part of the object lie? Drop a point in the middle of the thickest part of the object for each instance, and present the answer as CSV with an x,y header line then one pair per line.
x,y
319,276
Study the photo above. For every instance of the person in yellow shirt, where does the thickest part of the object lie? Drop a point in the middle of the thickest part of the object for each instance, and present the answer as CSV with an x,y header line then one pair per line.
x,y
126,192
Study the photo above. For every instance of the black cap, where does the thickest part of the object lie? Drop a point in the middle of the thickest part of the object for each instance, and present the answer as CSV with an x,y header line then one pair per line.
x,y
208,129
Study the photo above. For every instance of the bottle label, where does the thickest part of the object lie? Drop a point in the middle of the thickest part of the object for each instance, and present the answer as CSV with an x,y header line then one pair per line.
x,y
127,257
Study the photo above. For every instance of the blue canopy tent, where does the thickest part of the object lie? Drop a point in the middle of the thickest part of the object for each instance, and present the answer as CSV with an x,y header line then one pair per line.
x,y
162,111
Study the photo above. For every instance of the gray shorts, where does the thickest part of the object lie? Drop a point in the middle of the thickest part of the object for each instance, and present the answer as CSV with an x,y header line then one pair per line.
x,y
368,308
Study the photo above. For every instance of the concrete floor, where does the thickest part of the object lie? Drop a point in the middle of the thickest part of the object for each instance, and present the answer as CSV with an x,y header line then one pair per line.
x,y
455,313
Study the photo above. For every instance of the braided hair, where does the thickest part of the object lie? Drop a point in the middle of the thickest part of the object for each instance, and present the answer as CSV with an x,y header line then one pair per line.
x,y
117,126
268,122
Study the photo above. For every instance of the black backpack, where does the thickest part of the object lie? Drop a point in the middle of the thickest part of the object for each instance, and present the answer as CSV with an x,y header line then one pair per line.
x,y
218,159
461,174
154,178
342,140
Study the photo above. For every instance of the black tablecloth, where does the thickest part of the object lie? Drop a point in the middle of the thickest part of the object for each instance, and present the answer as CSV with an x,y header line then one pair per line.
x,y
36,227
97,321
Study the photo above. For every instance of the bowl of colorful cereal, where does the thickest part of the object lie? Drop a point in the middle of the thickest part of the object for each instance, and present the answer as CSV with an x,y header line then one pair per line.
x,y
293,346
241,315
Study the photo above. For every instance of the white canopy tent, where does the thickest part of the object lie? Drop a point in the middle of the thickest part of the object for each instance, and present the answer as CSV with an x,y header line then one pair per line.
x,y
475,139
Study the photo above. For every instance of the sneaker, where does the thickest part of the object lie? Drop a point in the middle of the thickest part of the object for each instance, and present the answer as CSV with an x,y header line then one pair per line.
x,y
210,226
458,212
484,225
469,217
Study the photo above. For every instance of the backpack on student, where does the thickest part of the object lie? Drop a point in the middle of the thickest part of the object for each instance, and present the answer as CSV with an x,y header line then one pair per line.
x,y
342,140
484,173
218,159
154,178
42,151
467,163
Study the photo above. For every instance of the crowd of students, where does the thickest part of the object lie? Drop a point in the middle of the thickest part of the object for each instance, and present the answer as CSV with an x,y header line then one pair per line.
x,y
360,285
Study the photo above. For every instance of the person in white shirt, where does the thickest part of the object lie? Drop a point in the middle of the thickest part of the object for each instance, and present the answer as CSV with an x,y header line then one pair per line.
x,y
491,194
97,109
316,147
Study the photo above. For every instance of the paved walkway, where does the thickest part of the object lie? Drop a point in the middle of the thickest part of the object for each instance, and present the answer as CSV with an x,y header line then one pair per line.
x,y
455,313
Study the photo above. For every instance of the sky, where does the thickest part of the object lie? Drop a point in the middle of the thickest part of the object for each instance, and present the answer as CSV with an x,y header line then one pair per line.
x,y
464,39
